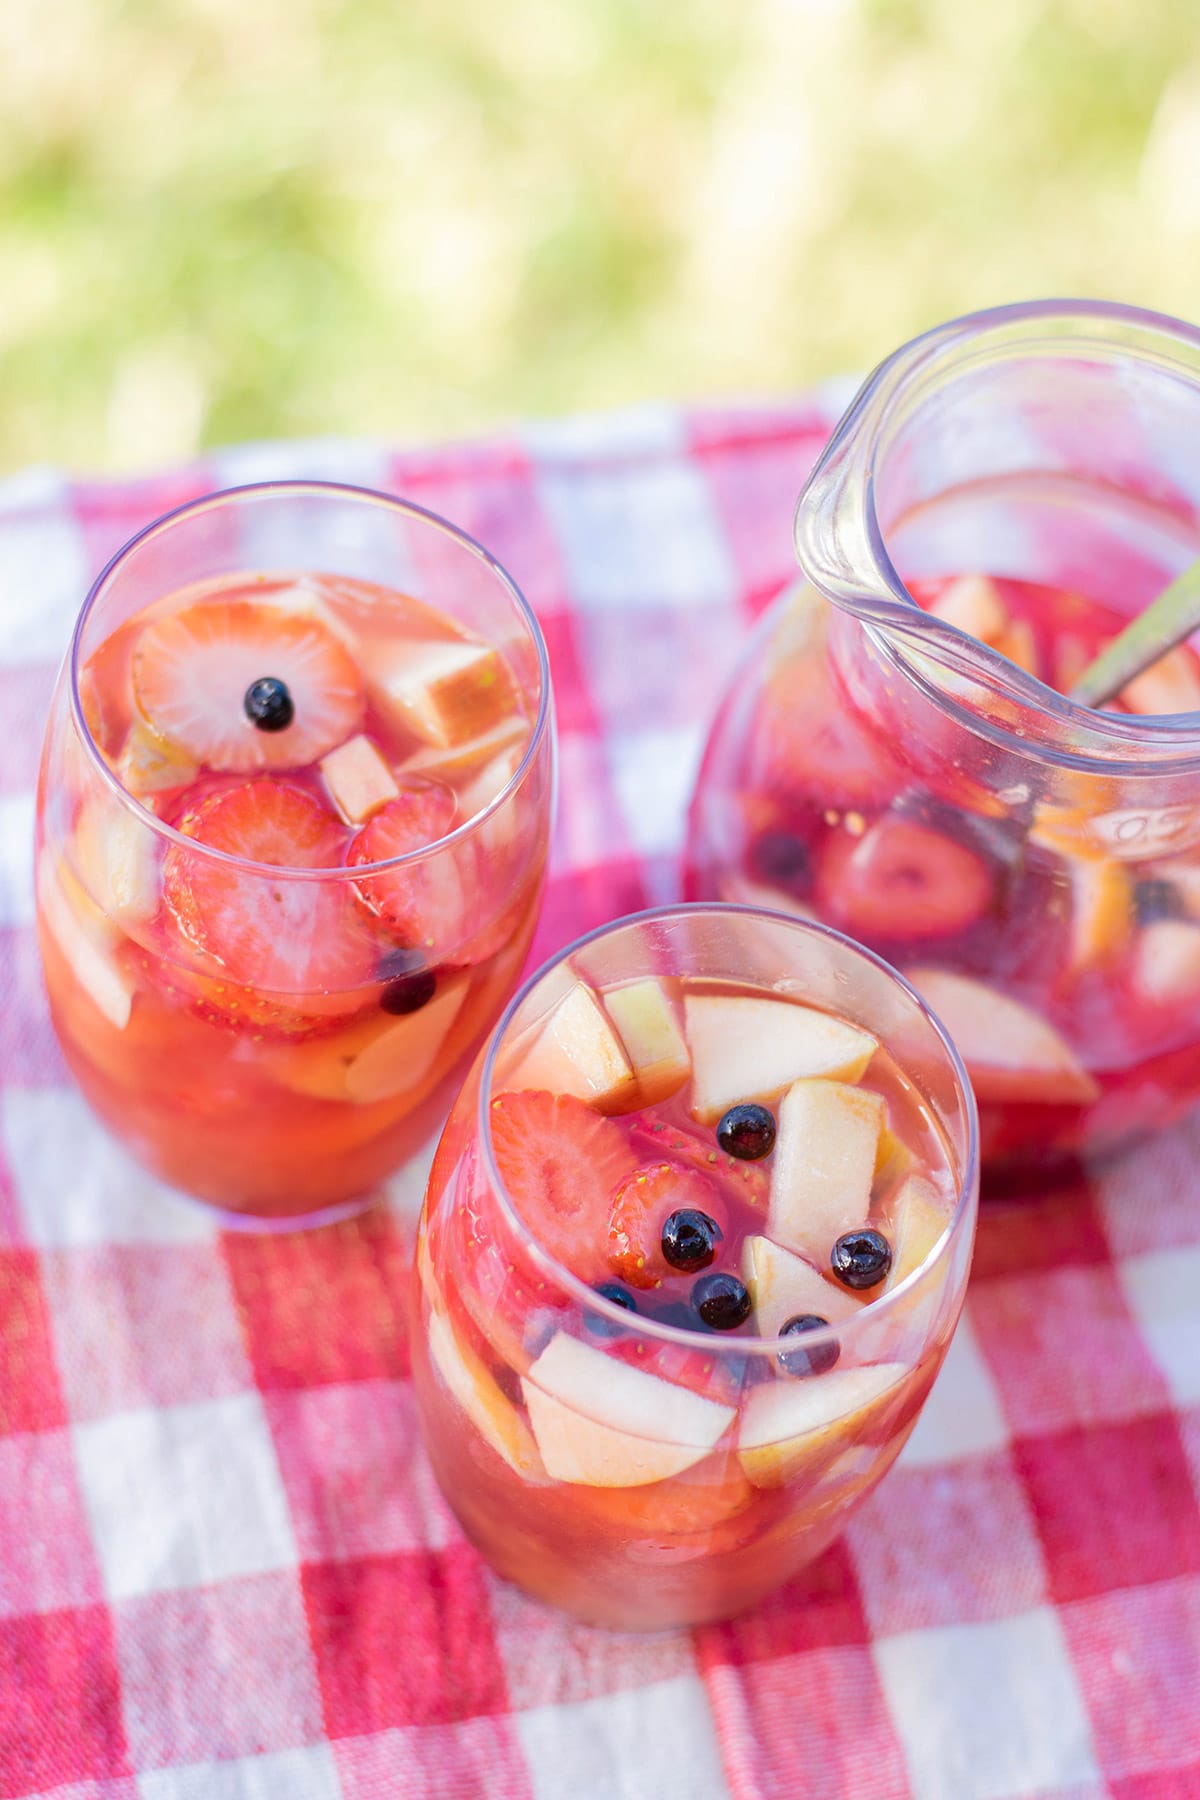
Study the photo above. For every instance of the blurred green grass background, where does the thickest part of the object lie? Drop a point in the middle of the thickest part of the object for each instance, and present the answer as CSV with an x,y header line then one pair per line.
x,y
225,219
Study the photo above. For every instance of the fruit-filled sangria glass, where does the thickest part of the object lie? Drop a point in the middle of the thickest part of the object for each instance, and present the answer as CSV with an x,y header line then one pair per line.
x,y
694,1246
897,754
292,826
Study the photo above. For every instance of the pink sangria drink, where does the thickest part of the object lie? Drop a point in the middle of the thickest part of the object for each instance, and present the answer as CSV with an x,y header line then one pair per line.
x,y
693,1249
292,831
898,754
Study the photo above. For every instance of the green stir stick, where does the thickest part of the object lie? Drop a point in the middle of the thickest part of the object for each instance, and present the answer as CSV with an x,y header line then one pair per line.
x,y
1166,622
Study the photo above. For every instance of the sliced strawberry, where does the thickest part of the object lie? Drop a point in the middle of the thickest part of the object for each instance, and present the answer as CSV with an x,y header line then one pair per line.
x,y
560,1162
710,1372
641,1206
191,671
422,902
650,1135
902,880
273,933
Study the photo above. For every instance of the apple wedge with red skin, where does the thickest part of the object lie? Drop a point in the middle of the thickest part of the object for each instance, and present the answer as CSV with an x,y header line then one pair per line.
x,y
1011,1052
746,1048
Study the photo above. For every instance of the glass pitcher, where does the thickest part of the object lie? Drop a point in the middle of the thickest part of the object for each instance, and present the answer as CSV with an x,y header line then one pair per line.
x,y
893,756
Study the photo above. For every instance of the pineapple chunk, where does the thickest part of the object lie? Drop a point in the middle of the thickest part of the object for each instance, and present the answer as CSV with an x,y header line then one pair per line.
x,y
446,692
602,1423
1102,915
784,1286
358,779
824,1165
747,1048
790,1428
653,1042
149,765
576,1051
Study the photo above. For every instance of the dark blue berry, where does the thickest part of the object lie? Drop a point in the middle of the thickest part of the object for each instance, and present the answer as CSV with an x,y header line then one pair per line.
x,y
1155,899
721,1300
747,1132
782,859
596,1323
689,1239
268,704
861,1259
409,992
817,1357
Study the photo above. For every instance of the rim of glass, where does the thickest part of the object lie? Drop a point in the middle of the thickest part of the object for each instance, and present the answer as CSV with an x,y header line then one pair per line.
x,y
320,489
844,1331
899,378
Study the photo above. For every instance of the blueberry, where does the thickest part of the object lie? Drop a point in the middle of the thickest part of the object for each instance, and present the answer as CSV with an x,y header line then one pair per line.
x,y
747,1132
620,1296
677,1313
268,704
782,859
721,1300
861,1259
689,1239
1156,899
409,992
813,1361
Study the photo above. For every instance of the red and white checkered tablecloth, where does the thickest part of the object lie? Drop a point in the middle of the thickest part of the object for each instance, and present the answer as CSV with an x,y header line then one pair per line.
x,y
225,1573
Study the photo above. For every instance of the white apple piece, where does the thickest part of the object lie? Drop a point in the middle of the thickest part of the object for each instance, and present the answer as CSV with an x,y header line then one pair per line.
x,y
86,949
824,1166
491,747
494,1417
599,1422
645,1019
745,1048
1166,963
576,1051
358,779
973,603
115,855
446,692
1011,1053
375,1061
918,1219
784,1286
790,1427
149,765
1102,915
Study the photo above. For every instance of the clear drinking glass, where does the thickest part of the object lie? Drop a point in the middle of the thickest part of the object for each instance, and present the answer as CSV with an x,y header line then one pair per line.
x,y
637,1467
913,777
270,947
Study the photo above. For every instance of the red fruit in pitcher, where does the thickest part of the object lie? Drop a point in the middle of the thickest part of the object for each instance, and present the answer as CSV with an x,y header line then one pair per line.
x,y
283,935
196,672
560,1162
904,880
423,901
641,1206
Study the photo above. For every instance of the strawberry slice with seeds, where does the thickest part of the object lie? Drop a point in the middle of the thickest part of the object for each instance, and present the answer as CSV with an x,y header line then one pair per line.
x,y
653,1136
641,1206
422,902
193,669
560,1162
264,932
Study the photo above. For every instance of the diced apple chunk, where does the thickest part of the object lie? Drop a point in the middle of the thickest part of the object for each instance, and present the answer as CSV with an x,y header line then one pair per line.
x,y
493,1415
491,780
790,1428
115,856
918,1218
894,1159
599,1422
358,779
645,1019
379,1059
1101,911
784,1286
86,949
1166,963
824,1165
745,1048
448,763
1011,1053
447,691
576,1051
973,603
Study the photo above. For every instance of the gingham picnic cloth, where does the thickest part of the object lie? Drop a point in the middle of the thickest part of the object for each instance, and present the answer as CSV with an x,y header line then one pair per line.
x,y
225,1571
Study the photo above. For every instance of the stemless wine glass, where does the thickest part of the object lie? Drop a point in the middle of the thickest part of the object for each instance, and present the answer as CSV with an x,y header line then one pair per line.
x,y
292,825
625,1436
895,754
